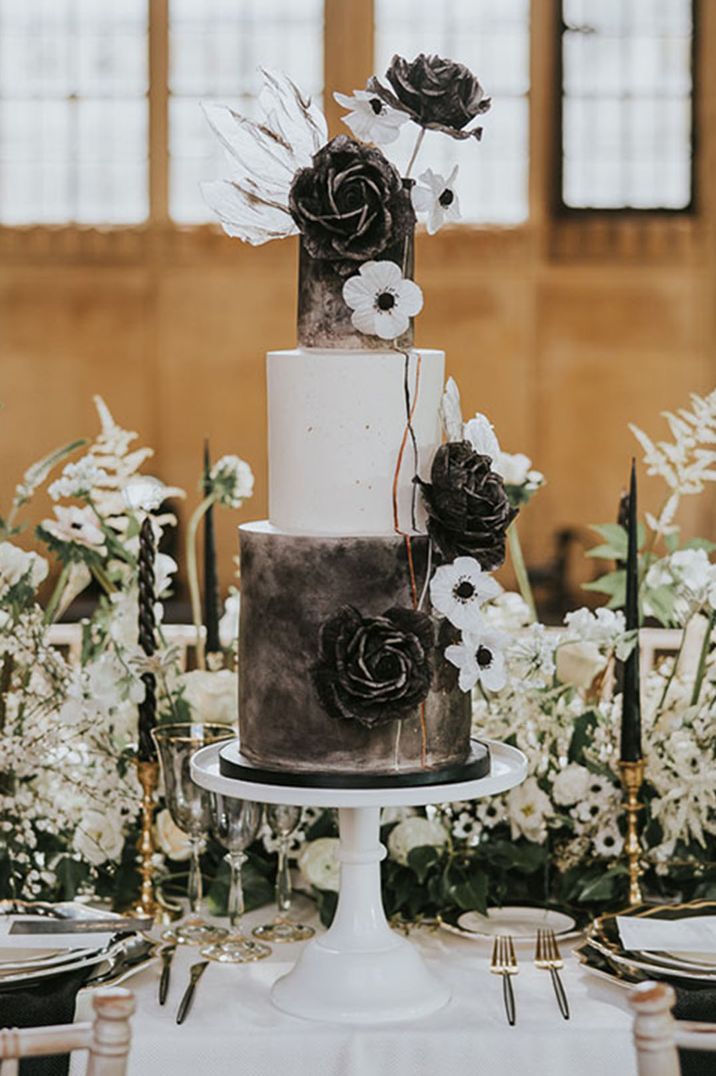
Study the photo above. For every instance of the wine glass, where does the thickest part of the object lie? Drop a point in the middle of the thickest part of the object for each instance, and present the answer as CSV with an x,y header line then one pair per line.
x,y
283,820
189,807
235,824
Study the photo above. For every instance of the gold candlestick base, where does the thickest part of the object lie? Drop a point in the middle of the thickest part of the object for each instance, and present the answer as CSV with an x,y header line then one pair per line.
x,y
632,777
148,773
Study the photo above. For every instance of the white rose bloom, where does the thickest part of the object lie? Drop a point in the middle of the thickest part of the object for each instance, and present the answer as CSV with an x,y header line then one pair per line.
x,y
578,663
529,808
415,833
172,840
15,564
99,837
570,785
212,696
319,863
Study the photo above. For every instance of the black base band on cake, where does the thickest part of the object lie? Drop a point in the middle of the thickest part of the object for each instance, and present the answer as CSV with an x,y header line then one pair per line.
x,y
476,765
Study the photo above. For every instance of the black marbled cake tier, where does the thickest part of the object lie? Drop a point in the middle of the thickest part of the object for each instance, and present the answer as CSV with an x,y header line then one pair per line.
x,y
291,585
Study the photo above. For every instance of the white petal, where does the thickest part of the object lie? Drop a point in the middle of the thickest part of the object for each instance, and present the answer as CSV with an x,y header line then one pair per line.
x,y
422,199
381,275
436,218
494,677
468,677
450,181
410,297
435,182
357,290
457,655
363,320
390,324
349,102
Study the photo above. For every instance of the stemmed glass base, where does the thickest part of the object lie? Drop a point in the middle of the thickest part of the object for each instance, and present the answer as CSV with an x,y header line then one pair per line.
x,y
194,932
282,930
236,950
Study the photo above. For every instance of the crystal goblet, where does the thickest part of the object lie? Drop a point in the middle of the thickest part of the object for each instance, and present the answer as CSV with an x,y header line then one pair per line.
x,y
283,820
190,810
235,824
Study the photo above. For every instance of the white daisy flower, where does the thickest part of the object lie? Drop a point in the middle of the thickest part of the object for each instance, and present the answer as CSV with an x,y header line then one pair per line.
x,y
479,657
77,525
436,199
458,590
608,842
382,301
369,118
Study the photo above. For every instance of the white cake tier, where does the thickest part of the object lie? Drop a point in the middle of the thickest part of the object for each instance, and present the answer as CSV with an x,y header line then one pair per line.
x,y
337,421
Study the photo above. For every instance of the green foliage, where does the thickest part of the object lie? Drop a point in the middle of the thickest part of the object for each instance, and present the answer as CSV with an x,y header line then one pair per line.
x,y
613,584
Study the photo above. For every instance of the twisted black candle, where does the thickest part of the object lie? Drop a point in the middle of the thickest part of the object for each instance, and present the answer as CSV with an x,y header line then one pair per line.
x,y
211,584
147,639
630,750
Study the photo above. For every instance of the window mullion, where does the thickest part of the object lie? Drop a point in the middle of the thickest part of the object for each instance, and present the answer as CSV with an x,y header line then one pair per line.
x,y
158,110
347,52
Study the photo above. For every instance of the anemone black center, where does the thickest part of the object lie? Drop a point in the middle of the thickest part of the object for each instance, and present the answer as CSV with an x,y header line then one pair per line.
x,y
385,301
376,104
446,198
464,590
483,657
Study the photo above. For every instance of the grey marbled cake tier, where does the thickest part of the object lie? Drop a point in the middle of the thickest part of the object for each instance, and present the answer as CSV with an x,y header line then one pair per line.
x,y
290,585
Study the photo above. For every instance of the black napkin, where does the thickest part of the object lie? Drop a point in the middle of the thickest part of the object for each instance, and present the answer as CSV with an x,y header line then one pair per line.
x,y
49,1001
696,1004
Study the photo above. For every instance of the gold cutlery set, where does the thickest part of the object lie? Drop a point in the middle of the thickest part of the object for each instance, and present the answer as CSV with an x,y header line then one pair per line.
x,y
546,958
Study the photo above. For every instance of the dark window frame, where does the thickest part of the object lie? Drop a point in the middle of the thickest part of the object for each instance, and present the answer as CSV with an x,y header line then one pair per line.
x,y
559,207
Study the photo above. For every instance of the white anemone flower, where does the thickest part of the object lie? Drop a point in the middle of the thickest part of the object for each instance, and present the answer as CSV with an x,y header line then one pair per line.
x,y
77,525
382,300
458,590
480,658
436,199
369,118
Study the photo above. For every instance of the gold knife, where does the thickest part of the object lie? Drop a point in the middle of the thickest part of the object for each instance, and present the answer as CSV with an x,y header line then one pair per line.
x,y
197,970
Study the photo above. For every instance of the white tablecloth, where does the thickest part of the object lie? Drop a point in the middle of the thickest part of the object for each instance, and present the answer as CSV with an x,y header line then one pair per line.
x,y
233,1028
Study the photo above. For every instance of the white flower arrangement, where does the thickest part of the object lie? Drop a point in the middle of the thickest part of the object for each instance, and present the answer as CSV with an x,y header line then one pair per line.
x,y
69,797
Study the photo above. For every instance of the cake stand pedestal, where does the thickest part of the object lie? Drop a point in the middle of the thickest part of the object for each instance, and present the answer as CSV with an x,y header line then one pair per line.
x,y
360,971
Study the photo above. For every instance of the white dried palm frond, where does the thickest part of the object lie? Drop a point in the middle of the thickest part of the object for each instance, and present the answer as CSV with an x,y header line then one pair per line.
x,y
264,156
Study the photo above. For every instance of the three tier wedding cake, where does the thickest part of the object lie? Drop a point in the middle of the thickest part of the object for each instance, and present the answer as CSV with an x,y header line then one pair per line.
x,y
361,634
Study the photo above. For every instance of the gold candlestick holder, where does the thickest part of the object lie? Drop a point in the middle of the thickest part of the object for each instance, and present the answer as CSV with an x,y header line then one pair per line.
x,y
632,777
148,773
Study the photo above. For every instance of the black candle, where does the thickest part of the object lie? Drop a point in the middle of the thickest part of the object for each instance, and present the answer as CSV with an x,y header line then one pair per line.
x,y
631,694
211,585
147,639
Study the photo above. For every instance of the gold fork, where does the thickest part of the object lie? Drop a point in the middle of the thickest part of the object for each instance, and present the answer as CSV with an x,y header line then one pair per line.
x,y
547,957
504,963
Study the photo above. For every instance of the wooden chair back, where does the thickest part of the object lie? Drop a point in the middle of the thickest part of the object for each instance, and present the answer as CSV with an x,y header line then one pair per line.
x,y
658,1036
106,1039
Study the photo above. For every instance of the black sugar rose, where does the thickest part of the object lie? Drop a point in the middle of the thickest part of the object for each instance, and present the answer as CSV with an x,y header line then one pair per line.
x,y
468,509
351,204
374,669
436,93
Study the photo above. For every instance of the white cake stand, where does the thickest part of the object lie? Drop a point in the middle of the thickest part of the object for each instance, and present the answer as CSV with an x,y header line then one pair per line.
x,y
360,971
